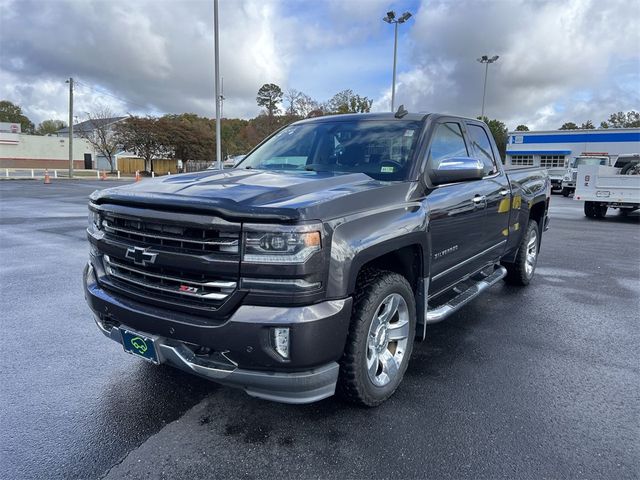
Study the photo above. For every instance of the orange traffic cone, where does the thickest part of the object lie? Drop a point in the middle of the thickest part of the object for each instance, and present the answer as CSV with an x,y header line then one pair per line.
x,y
137,175
47,179
104,175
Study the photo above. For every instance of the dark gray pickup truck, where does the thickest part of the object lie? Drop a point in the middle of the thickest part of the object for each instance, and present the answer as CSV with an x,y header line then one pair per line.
x,y
313,266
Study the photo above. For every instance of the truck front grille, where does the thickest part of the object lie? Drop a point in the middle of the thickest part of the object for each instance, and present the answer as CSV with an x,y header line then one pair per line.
x,y
178,286
177,238
190,263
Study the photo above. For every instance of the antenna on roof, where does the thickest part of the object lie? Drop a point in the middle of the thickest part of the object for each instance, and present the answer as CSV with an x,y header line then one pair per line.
x,y
401,112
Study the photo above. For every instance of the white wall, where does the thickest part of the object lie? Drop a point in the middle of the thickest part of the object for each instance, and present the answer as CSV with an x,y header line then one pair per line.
x,y
26,151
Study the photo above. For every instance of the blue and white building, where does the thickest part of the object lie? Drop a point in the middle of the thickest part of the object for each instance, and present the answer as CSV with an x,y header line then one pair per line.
x,y
555,148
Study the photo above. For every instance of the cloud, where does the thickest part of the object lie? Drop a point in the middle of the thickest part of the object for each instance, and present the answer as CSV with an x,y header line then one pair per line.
x,y
560,61
157,56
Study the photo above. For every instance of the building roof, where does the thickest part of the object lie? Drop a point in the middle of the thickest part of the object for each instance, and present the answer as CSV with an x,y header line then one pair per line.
x,y
89,125
580,130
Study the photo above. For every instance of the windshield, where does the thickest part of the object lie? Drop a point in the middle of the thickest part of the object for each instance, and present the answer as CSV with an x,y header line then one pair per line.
x,y
382,149
589,161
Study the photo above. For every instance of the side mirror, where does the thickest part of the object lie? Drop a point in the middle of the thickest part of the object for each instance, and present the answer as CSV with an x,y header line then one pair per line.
x,y
458,169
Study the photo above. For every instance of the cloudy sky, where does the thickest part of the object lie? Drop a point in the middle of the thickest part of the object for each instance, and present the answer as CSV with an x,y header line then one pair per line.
x,y
560,60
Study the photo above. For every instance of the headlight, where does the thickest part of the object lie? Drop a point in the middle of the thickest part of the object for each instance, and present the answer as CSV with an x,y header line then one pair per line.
x,y
280,244
94,219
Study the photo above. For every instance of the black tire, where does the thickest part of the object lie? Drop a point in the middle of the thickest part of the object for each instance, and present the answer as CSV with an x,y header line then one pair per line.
x,y
518,272
600,211
354,382
589,210
629,169
566,192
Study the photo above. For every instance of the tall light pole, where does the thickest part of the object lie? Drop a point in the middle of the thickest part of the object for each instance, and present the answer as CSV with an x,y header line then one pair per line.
x,y
70,82
217,82
486,60
391,19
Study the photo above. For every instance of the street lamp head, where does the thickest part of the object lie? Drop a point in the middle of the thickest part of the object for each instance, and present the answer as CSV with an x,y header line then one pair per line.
x,y
391,15
405,16
387,19
494,58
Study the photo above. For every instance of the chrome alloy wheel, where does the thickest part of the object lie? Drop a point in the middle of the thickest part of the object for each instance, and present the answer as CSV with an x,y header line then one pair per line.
x,y
387,340
532,253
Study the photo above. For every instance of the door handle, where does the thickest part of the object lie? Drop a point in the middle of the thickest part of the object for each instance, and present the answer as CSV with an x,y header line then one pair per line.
x,y
504,192
478,199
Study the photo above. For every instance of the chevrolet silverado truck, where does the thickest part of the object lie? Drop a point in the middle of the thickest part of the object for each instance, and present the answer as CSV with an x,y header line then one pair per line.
x,y
313,266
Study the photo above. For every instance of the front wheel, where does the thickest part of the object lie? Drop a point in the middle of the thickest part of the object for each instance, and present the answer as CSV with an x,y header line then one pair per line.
x,y
566,191
380,338
520,272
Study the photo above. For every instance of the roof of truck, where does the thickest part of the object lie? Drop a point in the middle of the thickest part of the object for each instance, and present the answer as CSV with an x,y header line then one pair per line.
x,y
414,116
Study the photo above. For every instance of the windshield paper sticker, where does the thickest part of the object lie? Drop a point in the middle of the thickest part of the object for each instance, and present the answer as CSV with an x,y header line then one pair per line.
x,y
408,133
386,170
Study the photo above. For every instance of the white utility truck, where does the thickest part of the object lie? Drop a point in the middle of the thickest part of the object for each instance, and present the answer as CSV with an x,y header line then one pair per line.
x,y
601,187
570,176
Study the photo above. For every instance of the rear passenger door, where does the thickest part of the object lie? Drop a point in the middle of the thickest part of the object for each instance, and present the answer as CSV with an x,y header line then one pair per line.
x,y
456,212
495,190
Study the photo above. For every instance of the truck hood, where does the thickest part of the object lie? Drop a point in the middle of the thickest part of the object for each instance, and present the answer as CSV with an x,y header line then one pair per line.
x,y
260,195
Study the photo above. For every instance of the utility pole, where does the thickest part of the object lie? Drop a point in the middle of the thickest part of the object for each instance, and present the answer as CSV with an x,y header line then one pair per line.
x,y
217,82
222,99
391,18
486,60
70,82
395,55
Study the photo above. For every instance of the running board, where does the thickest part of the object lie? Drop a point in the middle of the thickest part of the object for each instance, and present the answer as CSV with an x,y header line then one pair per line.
x,y
438,314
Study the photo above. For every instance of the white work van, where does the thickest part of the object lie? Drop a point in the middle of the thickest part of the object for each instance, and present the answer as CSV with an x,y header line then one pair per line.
x,y
602,187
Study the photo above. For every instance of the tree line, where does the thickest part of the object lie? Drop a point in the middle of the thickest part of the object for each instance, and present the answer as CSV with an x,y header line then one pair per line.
x,y
191,138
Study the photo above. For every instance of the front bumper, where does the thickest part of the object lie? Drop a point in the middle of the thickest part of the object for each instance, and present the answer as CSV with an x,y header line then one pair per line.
x,y
239,351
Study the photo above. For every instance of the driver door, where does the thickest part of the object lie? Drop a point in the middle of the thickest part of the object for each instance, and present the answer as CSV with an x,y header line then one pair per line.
x,y
457,212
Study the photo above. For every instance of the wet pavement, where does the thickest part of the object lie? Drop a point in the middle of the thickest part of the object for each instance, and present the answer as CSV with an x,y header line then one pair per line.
x,y
540,382
73,403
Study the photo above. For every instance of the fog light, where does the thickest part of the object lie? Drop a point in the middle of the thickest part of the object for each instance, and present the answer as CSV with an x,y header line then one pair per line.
x,y
281,341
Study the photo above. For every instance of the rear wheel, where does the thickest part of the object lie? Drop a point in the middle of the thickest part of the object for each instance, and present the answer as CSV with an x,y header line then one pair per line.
x,y
600,211
380,339
521,271
595,210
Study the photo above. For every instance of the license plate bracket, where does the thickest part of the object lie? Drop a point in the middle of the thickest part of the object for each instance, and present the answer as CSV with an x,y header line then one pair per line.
x,y
139,345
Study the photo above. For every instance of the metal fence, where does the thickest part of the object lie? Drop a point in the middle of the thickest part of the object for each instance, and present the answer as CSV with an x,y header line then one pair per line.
x,y
193,166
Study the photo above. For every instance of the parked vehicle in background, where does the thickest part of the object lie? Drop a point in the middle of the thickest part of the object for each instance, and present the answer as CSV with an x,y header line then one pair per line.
x,y
232,161
556,175
602,187
314,264
571,174
628,163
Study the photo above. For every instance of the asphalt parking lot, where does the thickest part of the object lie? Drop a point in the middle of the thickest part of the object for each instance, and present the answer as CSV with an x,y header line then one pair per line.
x,y
541,382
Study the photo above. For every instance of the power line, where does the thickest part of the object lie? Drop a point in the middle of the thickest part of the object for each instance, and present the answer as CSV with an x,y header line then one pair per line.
x,y
128,102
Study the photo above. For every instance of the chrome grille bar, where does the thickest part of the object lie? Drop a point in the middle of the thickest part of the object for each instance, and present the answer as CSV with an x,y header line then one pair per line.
x,y
169,284
230,243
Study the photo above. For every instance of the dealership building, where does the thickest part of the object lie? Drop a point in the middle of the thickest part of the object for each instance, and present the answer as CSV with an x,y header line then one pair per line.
x,y
553,149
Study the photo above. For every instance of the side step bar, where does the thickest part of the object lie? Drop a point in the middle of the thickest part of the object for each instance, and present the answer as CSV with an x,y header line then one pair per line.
x,y
438,314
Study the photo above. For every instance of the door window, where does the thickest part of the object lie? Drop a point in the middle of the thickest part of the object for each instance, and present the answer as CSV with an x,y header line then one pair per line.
x,y
482,148
447,142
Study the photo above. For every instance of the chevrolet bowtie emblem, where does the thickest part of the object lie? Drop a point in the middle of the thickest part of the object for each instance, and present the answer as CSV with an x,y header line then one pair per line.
x,y
140,256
